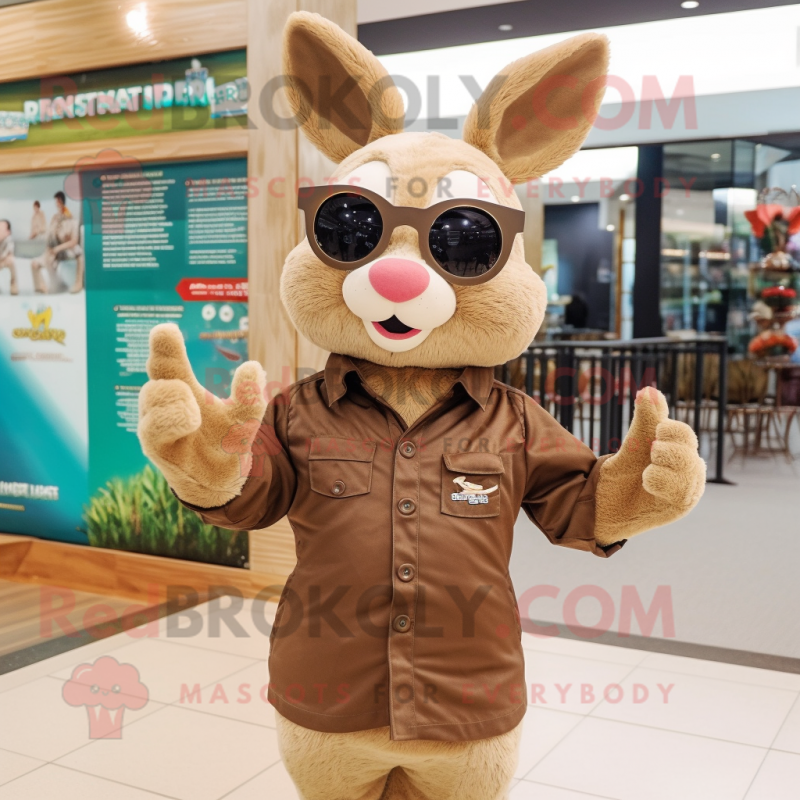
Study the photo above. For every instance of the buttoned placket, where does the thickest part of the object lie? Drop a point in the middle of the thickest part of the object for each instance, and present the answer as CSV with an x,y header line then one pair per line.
x,y
405,557
405,563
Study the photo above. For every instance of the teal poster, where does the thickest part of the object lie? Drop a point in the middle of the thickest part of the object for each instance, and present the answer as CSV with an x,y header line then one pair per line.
x,y
153,243
43,420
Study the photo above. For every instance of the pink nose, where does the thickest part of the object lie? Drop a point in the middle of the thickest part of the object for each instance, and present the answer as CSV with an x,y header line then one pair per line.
x,y
398,279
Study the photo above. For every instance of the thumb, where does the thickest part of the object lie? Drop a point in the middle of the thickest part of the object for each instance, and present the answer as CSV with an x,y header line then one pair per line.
x,y
650,410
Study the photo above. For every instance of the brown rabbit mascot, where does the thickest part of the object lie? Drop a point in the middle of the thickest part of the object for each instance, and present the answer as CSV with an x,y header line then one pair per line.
x,y
396,664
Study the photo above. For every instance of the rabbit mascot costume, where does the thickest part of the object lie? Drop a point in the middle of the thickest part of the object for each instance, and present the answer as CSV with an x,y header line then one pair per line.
x,y
396,664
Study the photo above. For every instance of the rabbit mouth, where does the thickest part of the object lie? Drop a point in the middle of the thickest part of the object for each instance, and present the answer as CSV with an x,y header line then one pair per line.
x,y
393,328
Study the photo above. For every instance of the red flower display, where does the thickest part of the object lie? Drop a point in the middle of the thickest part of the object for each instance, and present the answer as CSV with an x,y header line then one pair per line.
x,y
763,215
779,291
772,342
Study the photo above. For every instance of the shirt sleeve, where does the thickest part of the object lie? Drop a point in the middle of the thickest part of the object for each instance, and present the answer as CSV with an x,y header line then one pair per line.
x,y
562,475
269,490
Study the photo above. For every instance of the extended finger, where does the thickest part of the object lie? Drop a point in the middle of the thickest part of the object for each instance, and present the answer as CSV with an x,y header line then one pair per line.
x,y
248,400
168,359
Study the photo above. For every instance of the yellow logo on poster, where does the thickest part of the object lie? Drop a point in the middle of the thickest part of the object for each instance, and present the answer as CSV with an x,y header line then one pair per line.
x,y
40,329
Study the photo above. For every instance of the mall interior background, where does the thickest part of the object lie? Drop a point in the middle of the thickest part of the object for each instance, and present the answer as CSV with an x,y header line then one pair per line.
x,y
642,234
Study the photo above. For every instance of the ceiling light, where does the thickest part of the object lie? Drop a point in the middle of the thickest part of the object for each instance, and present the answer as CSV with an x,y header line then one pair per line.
x,y
715,156
505,27
624,198
689,4
137,20
610,228
575,198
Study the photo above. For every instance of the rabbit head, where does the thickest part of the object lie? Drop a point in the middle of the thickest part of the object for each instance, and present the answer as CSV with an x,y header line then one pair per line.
x,y
395,309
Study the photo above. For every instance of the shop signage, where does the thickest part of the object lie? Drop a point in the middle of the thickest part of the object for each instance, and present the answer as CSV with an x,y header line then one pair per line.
x,y
124,101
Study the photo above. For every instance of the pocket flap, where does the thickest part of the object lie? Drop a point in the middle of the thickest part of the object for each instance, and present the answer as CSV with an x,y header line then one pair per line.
x,y
334,448
475,463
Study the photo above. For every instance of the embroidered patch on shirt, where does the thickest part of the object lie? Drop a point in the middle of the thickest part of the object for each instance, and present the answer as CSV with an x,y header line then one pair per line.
x,y
473,493
472,499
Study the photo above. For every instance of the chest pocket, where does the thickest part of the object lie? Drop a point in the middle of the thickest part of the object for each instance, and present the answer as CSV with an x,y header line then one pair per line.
x,y
471,484
340,467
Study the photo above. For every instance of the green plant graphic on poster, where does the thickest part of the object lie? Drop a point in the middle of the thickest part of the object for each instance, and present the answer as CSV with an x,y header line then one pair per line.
x,y
141,514
164,243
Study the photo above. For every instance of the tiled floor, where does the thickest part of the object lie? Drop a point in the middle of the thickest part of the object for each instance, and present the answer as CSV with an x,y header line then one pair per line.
x,y
608,723
738,536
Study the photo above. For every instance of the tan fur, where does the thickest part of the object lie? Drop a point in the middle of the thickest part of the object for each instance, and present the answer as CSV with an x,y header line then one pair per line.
x,y
410,391
505,125
185,430
656,477
368,765
494,322
316,50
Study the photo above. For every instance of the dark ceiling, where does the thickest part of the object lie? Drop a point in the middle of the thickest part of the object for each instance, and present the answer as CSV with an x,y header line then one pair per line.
x,y
529,18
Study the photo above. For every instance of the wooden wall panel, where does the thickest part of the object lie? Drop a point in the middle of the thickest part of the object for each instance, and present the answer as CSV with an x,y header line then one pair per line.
x,y
272,213
275,228
54,37
117,572
177,146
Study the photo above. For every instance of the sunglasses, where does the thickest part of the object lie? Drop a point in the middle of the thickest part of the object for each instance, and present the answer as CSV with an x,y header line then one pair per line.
x,y
465,241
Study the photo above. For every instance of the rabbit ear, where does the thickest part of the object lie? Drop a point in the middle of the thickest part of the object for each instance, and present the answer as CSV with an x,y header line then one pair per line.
x,y
537,111
340,93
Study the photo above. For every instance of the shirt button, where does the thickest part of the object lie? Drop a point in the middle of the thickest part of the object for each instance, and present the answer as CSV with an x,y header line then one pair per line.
x,y
406,573
338,487
407,506
408,449
402,624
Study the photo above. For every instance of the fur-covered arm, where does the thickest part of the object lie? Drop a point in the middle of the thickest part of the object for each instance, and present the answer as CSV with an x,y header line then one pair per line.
x,y
656,477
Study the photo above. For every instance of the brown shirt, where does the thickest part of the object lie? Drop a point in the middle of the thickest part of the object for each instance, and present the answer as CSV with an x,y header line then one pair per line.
x,y
400,610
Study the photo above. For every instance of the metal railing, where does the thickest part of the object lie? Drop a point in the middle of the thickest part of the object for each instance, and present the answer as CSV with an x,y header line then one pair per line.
x,y
590,386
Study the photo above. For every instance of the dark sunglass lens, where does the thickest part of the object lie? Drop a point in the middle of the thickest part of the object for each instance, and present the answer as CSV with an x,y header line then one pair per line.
x,y
465,241
348,227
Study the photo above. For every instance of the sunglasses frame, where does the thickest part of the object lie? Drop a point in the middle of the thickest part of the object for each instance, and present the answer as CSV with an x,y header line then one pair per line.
x,y
509,221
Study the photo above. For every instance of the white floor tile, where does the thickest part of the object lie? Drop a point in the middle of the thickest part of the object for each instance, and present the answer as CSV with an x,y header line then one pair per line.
x,y
628,762
182,754
542,731
274,784
167,668
778,778
583,648
569,684
721,671
789,736
12,765
525,790
37,721
65,784
241,631
240,696
735,712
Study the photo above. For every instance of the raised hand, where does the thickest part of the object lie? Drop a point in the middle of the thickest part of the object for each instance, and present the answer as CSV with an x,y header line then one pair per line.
x,y
201,443
656,477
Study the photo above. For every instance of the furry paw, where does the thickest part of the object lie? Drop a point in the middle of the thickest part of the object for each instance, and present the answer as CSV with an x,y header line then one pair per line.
x,y
677,474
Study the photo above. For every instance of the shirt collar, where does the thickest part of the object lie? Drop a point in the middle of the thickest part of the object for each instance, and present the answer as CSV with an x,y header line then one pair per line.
x,y
476,381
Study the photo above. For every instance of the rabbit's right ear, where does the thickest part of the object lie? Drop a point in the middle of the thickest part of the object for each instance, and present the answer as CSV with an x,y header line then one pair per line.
x,y
339,92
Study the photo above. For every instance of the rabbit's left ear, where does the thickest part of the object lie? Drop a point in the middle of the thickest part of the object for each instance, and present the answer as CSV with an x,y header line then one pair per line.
x,y
537,111
339,92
